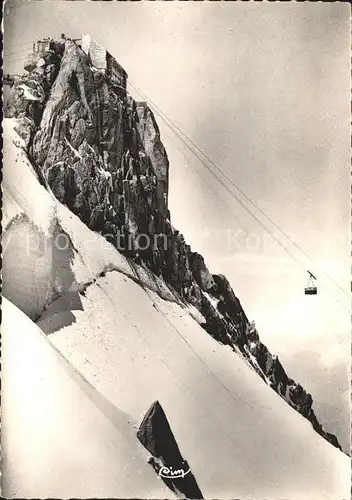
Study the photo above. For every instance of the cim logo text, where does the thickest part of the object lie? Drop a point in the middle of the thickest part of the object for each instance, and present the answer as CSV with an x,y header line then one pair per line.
x,y
169,473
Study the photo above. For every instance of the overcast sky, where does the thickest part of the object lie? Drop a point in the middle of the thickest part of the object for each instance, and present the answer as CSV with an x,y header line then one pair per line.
x,y
263,90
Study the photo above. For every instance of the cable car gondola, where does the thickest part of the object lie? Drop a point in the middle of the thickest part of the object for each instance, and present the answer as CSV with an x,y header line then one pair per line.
x,y
311,289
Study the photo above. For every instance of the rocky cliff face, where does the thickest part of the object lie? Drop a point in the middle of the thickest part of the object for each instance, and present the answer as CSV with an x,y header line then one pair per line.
x,y
100,153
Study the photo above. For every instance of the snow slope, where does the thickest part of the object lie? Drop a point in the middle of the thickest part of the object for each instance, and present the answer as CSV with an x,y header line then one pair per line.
x,y
238,436
56,440
131,347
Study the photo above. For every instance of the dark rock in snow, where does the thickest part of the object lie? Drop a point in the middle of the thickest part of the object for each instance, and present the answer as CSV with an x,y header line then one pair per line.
x,y
156,436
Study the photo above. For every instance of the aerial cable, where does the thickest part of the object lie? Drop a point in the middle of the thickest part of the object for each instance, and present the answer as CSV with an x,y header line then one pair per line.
x,y
221,201
160,112
247,209
241,224
185,137
167,120
169,123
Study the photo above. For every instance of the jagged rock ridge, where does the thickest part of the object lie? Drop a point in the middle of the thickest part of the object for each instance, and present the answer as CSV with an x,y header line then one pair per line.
x,y
100,153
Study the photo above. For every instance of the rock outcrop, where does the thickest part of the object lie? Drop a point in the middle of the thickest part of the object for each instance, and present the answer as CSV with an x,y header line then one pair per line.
x,y
101,154
157,437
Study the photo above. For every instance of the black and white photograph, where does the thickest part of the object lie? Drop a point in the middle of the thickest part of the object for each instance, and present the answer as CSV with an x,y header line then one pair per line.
x,y
176,245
